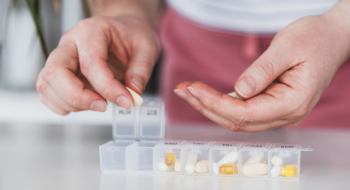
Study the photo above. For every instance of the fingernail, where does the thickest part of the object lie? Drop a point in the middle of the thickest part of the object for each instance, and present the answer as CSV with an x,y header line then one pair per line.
x,y
124,102
181,93
98,105
245,87
137,83
194,92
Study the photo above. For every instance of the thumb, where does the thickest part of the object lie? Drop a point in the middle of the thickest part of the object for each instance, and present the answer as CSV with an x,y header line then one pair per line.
x,y
269,66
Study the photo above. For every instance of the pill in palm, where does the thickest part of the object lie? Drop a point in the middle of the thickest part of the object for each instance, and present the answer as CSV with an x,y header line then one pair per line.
x,y
255,159
137,98
277,161
170,159
276,171
254,169
289,171
228,169
230,158
191,161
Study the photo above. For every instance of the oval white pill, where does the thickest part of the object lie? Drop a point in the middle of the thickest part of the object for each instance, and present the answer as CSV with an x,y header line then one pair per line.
x,y
230,158
177,165
163,167
277,161
137,98
215,168
254,169
202,166
276,171
191,161
255,159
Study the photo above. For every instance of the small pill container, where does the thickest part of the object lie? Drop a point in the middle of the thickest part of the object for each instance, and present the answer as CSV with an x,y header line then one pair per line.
x,y
223,158
135,133
253,161
285,160
195,157
167,157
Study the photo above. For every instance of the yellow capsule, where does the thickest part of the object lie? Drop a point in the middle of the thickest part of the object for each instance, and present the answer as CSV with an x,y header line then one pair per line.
x,y
170,159
228,169
289,171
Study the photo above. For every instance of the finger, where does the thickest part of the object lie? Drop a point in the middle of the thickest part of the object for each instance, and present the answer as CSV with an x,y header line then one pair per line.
x,y
92,46
60,71
52,106
50,95
145,52
271,64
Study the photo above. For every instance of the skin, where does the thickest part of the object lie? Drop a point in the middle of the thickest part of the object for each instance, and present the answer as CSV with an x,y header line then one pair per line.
x,y
279,89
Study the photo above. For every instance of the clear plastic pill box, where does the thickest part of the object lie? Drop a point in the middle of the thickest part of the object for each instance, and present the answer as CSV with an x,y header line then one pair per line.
x,y
138,145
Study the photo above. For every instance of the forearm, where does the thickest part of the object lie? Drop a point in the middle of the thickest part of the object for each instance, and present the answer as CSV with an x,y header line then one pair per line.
x,y
147,10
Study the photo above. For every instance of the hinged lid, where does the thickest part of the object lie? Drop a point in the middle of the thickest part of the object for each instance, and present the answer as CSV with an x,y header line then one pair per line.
x,y
171,143
288,147
256,146
227,145
145,122
199,144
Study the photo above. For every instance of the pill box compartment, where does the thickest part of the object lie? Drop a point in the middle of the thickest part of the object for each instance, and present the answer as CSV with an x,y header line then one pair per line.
x,y
167,157
195,157
285,160
135,133
253,161
225,154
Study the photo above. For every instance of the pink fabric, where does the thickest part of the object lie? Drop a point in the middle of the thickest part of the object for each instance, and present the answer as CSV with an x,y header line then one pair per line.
x,y
192,53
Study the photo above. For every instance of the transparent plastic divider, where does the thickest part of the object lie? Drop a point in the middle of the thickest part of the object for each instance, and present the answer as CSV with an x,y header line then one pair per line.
x,y
226,154
152,121
167,156
195,157
254,160
113,156
139,156
125,123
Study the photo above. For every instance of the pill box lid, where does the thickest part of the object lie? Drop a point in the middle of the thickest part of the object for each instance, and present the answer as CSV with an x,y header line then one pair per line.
x,y
227,145
288,147
171,143
256,145
145,122
199,144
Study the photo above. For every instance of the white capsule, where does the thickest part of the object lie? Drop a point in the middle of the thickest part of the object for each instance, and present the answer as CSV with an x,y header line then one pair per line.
x,y
163,167
255,159
276,171
277,161
177,165
230,158
137,98
191,161
215,168
202,166
254,169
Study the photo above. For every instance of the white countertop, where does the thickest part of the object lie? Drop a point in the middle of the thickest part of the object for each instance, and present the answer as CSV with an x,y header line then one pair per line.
x,y
51,156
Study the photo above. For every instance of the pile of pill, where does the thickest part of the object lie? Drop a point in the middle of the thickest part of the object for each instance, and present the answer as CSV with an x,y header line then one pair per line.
x,y
195,165
170,163
226,165
278,169
255,166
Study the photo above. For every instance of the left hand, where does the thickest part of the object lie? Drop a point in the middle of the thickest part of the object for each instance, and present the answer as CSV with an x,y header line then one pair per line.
x,y
282,86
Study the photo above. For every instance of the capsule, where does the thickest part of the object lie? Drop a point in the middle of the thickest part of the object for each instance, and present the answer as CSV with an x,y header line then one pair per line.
x,y
170,159
289,171
228,169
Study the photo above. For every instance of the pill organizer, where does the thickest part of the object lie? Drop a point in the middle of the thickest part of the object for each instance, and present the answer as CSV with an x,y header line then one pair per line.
x,y
138,145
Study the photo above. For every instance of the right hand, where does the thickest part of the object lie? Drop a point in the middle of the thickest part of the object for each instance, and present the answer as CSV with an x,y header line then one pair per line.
x,y
83,71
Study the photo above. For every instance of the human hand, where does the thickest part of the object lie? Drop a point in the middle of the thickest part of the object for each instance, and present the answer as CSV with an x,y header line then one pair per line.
x,y
282,86
83,71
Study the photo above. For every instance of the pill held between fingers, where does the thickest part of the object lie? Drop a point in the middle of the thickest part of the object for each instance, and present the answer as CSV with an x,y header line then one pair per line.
x,y
215,168
177,165
277,161
137,98
255,159
230,158
255,169
202,166
276,171
163,167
